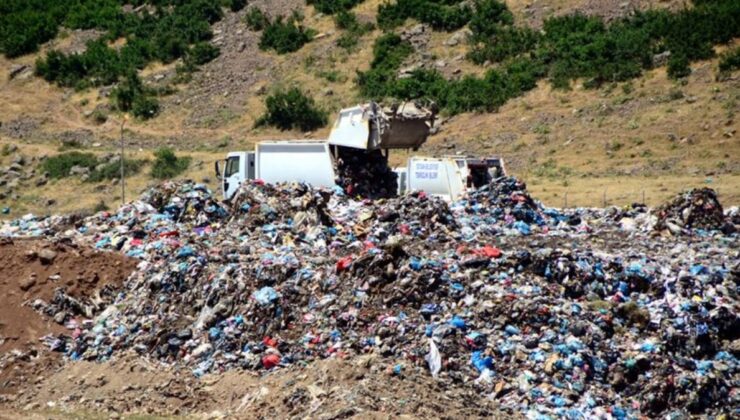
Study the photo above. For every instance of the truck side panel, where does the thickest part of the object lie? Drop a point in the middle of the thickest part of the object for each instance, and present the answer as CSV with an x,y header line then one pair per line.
x,y
438,177
308,162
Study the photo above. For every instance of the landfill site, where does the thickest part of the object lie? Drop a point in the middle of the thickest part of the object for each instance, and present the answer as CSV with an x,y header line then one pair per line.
x,y
287,299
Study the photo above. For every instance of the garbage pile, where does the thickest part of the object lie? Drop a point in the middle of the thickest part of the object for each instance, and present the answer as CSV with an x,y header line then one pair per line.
x,y
548,322
365,173
694,209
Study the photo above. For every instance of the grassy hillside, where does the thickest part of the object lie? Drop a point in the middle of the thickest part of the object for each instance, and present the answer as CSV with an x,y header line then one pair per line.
x,y
554,108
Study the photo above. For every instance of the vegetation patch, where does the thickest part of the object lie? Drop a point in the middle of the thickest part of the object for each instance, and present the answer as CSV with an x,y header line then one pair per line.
x,y
112,170
285,35
60,165
568,48
353,29
447,15
730,61
330,7
168,165
291,108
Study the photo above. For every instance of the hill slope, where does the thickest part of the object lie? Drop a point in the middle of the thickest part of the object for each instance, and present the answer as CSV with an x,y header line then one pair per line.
x,y
651,135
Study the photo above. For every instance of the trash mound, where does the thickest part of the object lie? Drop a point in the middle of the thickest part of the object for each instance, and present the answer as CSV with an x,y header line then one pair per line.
x,y
694,209
365,174
289,275
45,285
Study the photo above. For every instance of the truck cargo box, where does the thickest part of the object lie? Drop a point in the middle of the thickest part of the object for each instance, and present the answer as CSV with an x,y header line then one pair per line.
x,y
295,161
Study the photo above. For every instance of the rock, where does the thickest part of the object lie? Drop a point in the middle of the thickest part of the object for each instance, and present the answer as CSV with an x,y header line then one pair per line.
x,y
41,182
416,29
458,38
440,63
661,59
242,46
27,283
47,256
328,92
17,167
11,148
79,170
59,317
19,159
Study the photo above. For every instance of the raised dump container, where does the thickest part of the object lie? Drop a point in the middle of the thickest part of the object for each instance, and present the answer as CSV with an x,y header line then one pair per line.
x,y
370,127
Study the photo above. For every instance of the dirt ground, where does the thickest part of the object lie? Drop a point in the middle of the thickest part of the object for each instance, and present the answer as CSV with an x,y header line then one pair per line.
x,y
29,272
132,387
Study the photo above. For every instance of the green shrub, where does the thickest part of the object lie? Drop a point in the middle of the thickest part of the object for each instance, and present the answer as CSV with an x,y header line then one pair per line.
x,y
291,108
59,166
168,165
99,116
125,93
237,5
173,30
285,36
110,171
331,7
256,19
145,107
488,18
201,53
730,60
389,52
505,43
353,29
445,15
678,66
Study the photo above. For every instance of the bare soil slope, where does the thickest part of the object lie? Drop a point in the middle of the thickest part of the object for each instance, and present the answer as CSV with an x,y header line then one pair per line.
x,y
35,269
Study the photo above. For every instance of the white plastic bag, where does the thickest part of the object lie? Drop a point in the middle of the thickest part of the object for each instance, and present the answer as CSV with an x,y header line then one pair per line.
x,y
434,359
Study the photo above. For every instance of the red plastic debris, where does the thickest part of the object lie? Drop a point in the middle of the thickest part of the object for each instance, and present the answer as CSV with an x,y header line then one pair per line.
x,y
270,361
269,342
488,251
344,264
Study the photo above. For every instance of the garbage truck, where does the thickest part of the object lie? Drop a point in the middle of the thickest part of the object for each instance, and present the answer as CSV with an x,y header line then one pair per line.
x,y
365,130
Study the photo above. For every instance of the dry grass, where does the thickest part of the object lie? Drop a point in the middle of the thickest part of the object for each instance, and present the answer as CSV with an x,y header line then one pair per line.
x,y
72,195
651,134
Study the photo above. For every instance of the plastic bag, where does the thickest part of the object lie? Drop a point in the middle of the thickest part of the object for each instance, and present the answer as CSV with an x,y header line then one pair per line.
x,y
434,359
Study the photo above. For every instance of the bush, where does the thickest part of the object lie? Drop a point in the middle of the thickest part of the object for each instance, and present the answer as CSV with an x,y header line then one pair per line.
x,y
168,165
125,93
113,170
59,166
174,30
445,15
678,66
145,107
389,52
285,36
488,18
291,108
505,43
256,20
237,5
201,53
354,30
330,7
730,60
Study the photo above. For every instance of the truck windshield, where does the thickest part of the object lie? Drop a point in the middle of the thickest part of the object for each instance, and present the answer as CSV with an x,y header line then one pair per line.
x,y
232,166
